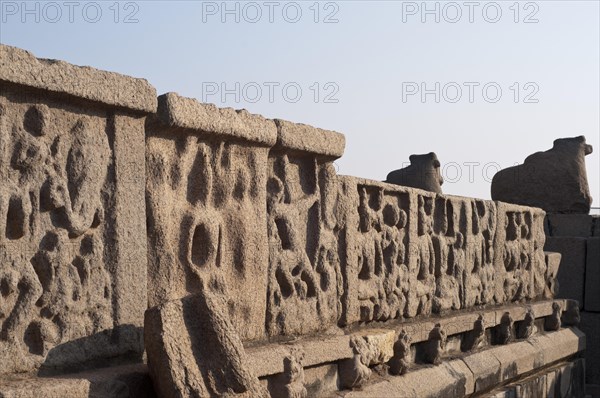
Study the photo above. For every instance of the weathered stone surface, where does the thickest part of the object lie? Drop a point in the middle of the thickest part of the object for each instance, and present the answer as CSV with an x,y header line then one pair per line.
x,y
552,260
486,370
409,252
72,215
571,274
206,199
304,278
305,138
446,380
177,112
131,381
590,325
321,380
423,173
482,370
554,180
571,315
303,223
515,359
554,346
592,275
560,381
252,239
194,350
574,225
21,67
290,383
267,359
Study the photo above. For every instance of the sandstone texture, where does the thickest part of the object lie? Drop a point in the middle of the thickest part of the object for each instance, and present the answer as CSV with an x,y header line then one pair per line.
x,y
554,180
194,350
222,249
84,83
72,245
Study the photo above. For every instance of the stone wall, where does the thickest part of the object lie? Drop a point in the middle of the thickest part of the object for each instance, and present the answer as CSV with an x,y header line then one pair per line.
x,y
260,271
577,238
72,246
410,252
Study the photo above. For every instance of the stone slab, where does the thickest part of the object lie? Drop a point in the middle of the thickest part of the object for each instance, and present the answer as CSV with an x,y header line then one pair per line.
x,y
592,275
571,273
305,138
73,254
321,380
554,346
486,370
267,359
194,350
515,359
573,225
130,381
489,368
22,67
180,112
590,325
427,382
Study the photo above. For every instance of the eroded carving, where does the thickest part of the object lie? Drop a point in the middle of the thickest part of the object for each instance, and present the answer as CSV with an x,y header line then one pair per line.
x,y
475,338
294,375
503,333
526,328
400,362
304,277
435,346
355,372
553,321
54,278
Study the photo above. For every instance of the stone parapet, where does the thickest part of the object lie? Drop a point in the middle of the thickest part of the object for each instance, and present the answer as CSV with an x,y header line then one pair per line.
x,y
72,215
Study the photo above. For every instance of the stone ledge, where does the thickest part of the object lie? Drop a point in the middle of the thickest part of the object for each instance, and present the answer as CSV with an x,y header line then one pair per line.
x,y
22,67
175,111
305,138
484,367
119,381
266,360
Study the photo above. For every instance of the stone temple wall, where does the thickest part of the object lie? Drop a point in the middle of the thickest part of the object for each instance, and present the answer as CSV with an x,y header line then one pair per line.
x,y
72,245
222,249
577,238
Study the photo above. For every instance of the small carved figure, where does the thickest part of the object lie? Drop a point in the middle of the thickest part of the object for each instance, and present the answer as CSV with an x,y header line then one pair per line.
x,y
355,372
294,374
554,180
553,321
400,361
504,331
475,337
527,327
423,173
436,345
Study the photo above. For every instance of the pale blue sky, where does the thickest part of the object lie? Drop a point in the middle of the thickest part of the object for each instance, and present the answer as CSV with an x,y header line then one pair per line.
x,y
362,61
